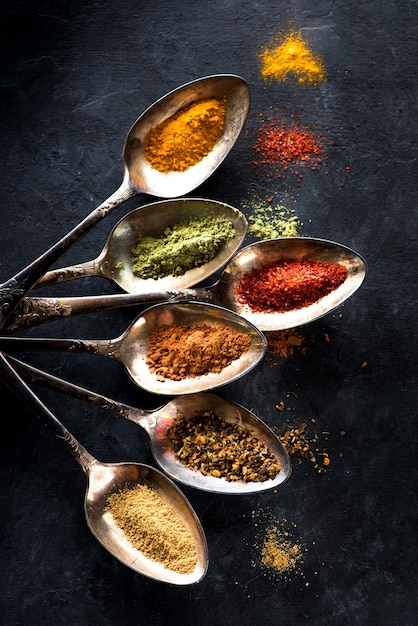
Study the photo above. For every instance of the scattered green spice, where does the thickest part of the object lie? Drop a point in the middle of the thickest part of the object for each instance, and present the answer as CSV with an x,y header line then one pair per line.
x,y
182,247
271,222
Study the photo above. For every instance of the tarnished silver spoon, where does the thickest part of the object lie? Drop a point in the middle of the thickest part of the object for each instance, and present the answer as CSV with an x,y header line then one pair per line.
x,y
116,260
157,423
105,479
140,177
35,311
130,349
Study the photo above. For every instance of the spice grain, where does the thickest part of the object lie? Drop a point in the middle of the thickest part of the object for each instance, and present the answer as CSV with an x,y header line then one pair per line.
x,y
181,351
152,527
214,447
183,246
187,137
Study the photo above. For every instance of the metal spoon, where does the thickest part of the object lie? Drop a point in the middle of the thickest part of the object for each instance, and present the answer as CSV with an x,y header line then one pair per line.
x,y
131,347
115,261
107,478
35,311
140,177
156,423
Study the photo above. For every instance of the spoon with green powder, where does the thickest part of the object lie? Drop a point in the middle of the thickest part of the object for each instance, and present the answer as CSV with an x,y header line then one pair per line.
x,y
105,480
224,292
216,346
171,244
139,177
269,459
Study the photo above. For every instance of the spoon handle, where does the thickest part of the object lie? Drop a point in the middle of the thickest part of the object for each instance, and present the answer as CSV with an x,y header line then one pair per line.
x,y
138,416
35,311
19,386
13,290
53,344
63,274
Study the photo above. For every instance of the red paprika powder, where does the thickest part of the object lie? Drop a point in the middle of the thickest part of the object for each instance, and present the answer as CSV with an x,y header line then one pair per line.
x,y
289,284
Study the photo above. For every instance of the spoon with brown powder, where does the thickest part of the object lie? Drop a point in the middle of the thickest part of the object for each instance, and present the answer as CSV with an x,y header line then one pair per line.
x,y
107,479
224,292
270,460
139,177
216,346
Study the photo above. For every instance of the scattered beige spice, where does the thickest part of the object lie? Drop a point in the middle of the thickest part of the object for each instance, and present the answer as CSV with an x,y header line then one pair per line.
x,y
214,447
276,551
152,527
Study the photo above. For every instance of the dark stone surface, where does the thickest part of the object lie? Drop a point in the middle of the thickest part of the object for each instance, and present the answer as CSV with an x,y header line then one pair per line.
x,y
75,75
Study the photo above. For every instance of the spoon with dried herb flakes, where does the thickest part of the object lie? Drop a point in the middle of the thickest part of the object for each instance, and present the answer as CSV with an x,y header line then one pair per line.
x,y
201,440
135,511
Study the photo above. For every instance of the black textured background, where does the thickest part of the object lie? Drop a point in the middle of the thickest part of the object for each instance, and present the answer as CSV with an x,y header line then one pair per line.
x,y
74,76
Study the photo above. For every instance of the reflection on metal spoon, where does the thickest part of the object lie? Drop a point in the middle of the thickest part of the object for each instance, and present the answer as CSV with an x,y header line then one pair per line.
x,y
105,479
157,423
131,347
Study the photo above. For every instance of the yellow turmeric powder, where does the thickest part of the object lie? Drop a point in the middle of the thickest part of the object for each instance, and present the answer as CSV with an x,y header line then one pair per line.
x,y
292,56
187,137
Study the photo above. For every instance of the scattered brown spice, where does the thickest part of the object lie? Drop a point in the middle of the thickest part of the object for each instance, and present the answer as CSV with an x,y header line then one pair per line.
x,y
214,447
152,527
183,351
287,343
301,446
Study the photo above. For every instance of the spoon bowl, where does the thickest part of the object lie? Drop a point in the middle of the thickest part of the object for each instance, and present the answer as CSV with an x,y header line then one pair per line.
x,y
104,479
140,177
116,261
158,422
34,311
131,348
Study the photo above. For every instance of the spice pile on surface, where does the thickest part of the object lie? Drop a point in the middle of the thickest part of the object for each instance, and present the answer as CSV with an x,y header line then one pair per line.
x,y
287,343
301,446
208,444
289,145
152,527
181,247
291,56
270,222
185,138
182,351
276,551
289,284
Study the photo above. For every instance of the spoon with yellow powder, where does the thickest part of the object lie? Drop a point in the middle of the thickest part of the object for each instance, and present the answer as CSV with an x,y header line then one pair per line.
x,y
107,480
140,177
268,464
171,348
193,236
224,292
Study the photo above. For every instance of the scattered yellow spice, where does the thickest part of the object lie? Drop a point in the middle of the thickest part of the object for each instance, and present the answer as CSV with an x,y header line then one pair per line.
x,y
292,56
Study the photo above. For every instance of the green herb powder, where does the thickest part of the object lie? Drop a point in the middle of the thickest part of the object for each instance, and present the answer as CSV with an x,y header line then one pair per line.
x,y
184,246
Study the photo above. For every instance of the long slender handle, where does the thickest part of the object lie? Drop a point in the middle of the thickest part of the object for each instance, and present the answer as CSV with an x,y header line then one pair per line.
x,y
13,290
53,344
62,274
64,386
19,386
35,311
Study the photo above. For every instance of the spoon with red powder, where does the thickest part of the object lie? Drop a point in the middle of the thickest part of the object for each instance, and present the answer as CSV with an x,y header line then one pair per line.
x,y
275,284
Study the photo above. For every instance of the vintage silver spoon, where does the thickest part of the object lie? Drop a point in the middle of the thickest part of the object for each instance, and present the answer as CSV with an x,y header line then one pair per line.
x,y
35,311
131,347
105,479
116,260
157,422
140,177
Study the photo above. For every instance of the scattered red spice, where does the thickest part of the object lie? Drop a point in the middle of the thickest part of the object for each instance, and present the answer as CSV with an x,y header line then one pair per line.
x,y
289,284
287,144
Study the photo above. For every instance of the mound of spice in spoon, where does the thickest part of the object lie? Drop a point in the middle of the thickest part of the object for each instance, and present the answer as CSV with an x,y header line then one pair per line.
x,y
289,284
